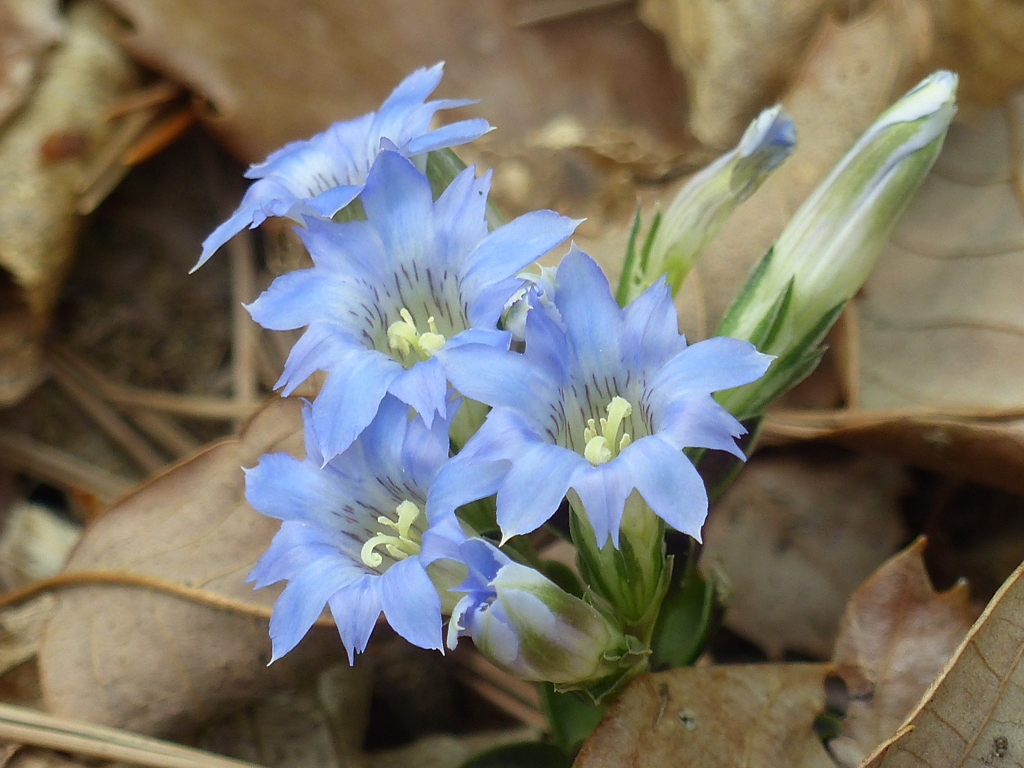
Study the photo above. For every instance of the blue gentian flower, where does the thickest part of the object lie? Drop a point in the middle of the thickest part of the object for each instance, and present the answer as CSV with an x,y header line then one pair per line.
x,y
385,295
354,535
601,403
526,624
318,177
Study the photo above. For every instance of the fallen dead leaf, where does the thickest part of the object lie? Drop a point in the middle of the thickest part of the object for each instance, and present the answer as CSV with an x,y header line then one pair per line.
x,y
38,199
155,663
896,635
795,535
272,72
973,714
29,28
734,716
737,57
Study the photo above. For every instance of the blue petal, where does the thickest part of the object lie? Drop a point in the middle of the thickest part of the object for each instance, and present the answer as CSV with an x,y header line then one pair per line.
x,y
592,318
441,539
424,388
349,399
356,609
397,447
398,202
330,201
498,377
669,483
700,422
603,490
460,211
461,481
352,247
301,297
510,248
411,603
710,366
450,135
303,600
535,486
292,547
650,328
285,488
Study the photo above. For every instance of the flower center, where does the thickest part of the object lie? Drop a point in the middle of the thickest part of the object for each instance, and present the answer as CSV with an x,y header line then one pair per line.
x,y
406,543
601,439
405,339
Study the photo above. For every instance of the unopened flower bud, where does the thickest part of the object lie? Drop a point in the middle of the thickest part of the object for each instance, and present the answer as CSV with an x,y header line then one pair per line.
x,y
705,202
830,245
527,625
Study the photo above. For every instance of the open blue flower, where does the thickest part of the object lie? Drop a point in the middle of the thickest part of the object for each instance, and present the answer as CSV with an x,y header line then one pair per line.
x,y
385,295
317,177
354,535
602,403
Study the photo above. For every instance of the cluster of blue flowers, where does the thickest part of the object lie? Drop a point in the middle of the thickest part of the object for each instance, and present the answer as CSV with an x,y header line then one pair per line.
x,y
416,310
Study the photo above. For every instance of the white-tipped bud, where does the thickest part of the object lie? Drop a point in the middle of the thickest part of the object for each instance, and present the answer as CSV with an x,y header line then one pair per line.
x,y
830,245
703,204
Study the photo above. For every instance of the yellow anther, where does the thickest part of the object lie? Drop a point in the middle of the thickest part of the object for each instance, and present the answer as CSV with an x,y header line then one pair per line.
x,y
405,338
599,448
406,543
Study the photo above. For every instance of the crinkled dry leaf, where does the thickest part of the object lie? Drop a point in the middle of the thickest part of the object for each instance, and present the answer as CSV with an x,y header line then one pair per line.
x,y
973,714
38,198
27,29
896,636
274,71
794,537
733,716
156,663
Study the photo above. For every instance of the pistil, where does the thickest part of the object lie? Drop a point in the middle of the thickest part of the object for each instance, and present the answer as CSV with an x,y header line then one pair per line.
x,y
405,338
406,543
601,439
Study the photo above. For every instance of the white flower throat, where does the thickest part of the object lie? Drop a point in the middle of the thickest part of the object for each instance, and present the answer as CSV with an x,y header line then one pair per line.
x,y
407,542
601,438
404,337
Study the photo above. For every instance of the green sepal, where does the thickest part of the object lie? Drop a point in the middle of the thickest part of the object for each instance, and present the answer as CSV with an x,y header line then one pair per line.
x,y
683,626
786,371
354,211
525,754
563,576
572,716
626,279
730,320
480,515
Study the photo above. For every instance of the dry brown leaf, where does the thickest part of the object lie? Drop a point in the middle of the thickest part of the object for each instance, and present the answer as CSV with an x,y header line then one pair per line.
x,y
27,29
896,635
793,538
274,72
973,714
38,199
733,716
737,56
155,663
